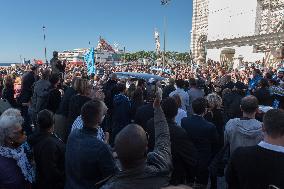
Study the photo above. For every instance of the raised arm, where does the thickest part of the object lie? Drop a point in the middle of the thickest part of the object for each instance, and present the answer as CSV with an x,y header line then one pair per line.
x,y
160,159
162,135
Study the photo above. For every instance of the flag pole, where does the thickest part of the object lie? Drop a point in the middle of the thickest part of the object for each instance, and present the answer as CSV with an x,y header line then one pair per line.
x,y
165,25
124,55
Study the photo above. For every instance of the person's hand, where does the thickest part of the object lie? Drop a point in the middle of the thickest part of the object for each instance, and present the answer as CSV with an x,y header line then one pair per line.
x,y
106,140
157,101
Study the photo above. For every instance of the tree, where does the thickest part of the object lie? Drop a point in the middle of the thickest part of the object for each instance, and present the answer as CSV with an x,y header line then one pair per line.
x,y
153,56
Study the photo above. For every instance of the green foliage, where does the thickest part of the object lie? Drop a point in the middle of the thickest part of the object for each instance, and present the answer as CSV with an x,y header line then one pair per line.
x,y
174,56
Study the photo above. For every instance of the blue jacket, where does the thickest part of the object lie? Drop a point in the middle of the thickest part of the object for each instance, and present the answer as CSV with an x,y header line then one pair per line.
x,y
254,82
87,160
10,174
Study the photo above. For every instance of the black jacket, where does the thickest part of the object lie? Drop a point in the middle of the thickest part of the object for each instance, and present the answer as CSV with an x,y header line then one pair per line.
x,y
255,167
232,102
54,99
28,81
75,105
229,85
109,90
64,104
144,114
216,116
263,96
49,154
205,138
183,152
134,108
8,94
167,90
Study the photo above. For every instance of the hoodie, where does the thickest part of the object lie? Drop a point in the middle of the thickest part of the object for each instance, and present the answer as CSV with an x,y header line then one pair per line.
x,y
240,132
121,110
121,114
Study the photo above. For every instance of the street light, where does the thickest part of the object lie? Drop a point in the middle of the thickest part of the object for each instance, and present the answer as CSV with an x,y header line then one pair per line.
x,y
43,29
164,3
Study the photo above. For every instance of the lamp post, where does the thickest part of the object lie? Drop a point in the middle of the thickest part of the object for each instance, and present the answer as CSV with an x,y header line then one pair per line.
x,y
164,3
44,37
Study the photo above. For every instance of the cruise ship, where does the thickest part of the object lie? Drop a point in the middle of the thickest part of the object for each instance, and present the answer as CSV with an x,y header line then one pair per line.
x,y
75,56
104,53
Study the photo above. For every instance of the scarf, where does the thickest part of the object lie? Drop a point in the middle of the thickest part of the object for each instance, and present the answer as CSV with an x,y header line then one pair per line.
x,y
22,161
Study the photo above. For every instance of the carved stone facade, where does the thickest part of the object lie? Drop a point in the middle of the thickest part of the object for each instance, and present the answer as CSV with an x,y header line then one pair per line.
x,y
199,28
251,30
270,20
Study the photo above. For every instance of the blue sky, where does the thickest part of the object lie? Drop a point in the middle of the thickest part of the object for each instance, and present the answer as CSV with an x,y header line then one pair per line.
x,y
72,24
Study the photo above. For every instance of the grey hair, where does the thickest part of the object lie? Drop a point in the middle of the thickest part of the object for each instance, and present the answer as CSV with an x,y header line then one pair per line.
x,y
9,121
214,100
11,112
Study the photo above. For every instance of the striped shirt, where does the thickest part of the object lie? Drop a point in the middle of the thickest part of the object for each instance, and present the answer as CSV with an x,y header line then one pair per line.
x,y
78,124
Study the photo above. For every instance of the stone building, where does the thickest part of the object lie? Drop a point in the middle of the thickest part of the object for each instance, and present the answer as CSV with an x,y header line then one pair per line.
x,y
253,29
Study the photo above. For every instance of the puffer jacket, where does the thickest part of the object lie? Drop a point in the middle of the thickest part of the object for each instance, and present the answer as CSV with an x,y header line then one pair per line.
x,y
242,132
155,173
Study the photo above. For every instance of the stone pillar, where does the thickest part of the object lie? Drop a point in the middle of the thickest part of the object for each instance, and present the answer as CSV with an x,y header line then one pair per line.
x,y
199,25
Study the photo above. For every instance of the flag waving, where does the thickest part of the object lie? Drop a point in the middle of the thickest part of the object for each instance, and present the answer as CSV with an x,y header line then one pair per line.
x,y
165,2
90,61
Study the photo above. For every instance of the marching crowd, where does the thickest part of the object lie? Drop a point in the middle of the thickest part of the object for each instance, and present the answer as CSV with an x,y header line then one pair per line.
x,y
206,127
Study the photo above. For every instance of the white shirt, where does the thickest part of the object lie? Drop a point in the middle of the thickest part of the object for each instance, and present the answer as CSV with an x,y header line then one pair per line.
x,y
184,98
181,114
272,147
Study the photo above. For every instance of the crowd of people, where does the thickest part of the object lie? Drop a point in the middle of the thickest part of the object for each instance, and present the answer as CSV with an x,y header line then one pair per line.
x,y
205,127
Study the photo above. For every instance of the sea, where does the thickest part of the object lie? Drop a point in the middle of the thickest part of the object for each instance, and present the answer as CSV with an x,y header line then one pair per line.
x,y
2,64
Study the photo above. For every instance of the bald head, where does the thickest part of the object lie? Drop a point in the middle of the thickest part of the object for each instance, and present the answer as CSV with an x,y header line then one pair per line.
x,y
131,146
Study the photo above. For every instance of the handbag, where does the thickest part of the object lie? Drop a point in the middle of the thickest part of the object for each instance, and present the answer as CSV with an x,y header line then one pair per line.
x,y
4,105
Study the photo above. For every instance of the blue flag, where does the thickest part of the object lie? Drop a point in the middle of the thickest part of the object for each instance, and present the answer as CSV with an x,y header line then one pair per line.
x,y
90,61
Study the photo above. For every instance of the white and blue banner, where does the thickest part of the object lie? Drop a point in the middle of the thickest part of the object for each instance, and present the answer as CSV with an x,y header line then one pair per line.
x,y
90,61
